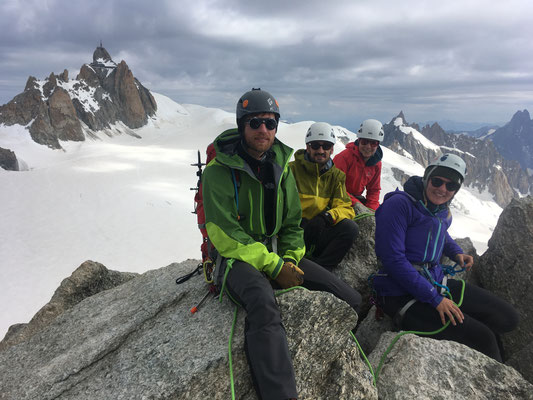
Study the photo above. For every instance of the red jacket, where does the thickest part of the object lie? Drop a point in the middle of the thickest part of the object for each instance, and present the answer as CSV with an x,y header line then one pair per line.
x,y
361,175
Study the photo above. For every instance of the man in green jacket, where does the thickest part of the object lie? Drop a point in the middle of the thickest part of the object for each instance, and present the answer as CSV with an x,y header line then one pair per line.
x,y
253,218
327,213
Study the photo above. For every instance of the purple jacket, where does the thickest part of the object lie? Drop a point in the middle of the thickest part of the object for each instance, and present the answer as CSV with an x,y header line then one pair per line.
x,y
407,233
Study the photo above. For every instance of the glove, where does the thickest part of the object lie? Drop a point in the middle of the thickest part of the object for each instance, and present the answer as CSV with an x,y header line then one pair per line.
x,y
315,226
289,276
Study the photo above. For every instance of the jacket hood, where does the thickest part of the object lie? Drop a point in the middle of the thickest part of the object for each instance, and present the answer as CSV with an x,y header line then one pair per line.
x,y
378,155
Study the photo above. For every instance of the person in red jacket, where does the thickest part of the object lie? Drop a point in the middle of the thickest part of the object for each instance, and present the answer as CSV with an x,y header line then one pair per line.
x,y
361,162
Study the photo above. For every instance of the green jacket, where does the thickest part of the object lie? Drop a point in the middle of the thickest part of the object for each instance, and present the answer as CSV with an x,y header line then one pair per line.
x,y
318,193
245,238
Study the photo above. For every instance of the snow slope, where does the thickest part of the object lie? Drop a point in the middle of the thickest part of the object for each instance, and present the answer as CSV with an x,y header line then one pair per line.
x,y
126,202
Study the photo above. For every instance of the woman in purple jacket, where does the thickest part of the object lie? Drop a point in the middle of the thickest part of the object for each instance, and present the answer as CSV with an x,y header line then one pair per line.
x,y
411,237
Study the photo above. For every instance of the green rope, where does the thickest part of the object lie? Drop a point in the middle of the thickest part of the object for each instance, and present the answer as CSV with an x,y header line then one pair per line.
x,y
229,265
363,215
229,354
399,335
366,359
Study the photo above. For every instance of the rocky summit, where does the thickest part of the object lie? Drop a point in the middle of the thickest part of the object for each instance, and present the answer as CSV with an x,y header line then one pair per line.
x,y
139,340
60,109
115,335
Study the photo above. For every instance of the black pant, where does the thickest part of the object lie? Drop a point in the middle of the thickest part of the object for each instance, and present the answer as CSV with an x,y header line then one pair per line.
x,y
333,243
265,340
485,316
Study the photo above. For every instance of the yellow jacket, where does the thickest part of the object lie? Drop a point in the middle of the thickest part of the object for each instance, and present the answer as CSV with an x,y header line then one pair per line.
x,y
318,193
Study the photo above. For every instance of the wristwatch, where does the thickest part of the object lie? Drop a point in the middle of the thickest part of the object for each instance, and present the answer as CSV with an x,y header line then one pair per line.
x,y
329,218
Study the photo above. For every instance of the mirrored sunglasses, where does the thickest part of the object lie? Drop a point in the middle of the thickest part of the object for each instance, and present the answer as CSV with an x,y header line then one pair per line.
x,y
324,145
270,123
372,143
450,186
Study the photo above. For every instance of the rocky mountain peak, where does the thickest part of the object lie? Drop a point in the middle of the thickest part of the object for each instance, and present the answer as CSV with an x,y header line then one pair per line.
x,y
101,54
521,117
102,94
31,83
399,119
514,140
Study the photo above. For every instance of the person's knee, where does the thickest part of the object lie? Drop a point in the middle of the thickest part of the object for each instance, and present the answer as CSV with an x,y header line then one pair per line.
x,y
357,301
354,229
508,320
504,317
348,228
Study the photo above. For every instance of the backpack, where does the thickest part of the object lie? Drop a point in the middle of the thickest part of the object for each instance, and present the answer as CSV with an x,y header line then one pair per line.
x,y
209,253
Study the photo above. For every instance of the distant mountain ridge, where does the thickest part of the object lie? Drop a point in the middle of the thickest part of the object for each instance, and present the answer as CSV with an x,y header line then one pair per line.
x,y
458,127
514,140
480,133
102,94
487,169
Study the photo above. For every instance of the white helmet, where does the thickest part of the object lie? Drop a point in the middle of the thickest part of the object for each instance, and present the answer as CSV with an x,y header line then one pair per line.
x,y
320,131
371,129
456,168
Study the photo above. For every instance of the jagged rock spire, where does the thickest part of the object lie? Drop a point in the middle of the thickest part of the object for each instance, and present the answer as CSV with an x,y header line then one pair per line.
x,y
101,54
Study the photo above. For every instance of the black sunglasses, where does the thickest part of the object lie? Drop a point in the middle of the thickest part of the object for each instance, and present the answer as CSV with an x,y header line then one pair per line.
x,y
317,145
450,186
270,123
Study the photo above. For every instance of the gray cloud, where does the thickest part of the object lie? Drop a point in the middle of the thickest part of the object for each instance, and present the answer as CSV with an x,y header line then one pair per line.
x,y
341,62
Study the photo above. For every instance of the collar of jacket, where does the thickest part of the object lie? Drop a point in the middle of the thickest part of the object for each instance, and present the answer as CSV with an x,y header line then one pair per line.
x,y
378,155
302,156
226,147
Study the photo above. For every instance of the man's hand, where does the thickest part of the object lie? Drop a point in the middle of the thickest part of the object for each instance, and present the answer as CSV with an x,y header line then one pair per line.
x,y
289,276
448,307
315,226
465,260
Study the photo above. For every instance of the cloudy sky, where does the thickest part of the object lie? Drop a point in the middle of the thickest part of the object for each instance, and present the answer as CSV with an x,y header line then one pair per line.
x,y
340,61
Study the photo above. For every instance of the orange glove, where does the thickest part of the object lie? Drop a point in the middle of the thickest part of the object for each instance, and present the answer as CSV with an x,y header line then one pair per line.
x,y
289,276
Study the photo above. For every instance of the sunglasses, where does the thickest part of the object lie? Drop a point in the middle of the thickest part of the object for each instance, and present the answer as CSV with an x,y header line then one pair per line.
x,y
270,123
318,145
372,143
450,186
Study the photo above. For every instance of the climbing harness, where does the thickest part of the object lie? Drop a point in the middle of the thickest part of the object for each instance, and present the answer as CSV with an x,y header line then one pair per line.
x,y
424,271
399,315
